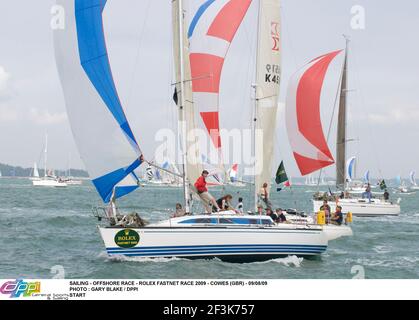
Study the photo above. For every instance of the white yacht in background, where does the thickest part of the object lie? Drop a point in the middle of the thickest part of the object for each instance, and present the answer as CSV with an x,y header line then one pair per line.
x,y
401,185
49,179
70,181
81,54
363,207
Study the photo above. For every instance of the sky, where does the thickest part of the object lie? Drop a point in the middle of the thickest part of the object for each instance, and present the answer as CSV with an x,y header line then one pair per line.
x,y
383,77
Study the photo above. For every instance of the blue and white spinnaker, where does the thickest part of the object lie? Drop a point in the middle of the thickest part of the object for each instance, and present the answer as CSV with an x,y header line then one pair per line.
x,y
350,169
100,128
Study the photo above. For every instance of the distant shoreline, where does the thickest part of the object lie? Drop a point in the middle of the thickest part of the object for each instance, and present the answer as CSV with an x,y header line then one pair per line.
x,y
9,171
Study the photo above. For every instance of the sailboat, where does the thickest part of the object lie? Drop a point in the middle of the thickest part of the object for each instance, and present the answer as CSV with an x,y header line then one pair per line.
x,y
310,181
308,141
35,173
413,184
353,185
86,78
49,179
69,179
169,179
401,186
234,179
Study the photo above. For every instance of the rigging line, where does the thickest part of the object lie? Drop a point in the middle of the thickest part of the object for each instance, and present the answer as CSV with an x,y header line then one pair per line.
x,y
288,37
162,169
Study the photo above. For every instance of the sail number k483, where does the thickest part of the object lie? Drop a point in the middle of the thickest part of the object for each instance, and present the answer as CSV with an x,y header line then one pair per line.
x,y
273,72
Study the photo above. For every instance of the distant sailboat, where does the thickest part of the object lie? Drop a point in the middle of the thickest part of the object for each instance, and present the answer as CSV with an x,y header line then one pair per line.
x,y
69,179
401,185
170,174
49,179
413,184
308,141
35,171
367,176
234,177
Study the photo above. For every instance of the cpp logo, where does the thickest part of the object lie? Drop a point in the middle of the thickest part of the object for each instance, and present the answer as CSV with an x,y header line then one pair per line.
x,y
275,26
20,287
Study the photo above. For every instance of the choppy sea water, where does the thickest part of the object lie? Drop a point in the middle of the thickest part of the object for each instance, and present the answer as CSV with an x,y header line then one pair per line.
x,y
42,228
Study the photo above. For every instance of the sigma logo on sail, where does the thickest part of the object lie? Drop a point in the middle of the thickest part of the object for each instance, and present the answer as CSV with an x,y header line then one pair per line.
x,y
20,288
275,26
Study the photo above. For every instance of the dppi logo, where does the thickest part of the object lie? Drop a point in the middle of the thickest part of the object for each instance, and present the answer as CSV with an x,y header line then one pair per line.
x,y
275,36
20,287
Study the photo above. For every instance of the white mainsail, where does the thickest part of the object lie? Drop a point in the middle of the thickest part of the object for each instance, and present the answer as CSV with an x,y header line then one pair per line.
x,y
412,178
192,166
103,136
35,171
268,75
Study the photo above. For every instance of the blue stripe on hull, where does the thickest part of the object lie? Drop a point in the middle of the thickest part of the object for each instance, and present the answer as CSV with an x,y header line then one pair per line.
x,y
221,246
215,253
219,250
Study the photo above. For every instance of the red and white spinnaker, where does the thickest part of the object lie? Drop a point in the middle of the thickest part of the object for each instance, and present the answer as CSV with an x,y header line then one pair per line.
x,y
304,125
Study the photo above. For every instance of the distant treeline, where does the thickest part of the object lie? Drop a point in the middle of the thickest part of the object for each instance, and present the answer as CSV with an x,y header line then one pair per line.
x,y
11,171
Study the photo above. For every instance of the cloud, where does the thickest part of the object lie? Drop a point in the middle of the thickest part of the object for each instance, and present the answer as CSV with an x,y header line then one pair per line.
x,y
395,116
44,117
7,114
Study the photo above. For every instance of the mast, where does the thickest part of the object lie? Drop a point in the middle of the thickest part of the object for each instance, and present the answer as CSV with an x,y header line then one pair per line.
x,y
189,144
255,117
179,20
341,131
45,155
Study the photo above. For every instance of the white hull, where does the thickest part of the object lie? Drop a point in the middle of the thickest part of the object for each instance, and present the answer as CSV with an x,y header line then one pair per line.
x,y
230,243
74,182
361,207
48,183
332,232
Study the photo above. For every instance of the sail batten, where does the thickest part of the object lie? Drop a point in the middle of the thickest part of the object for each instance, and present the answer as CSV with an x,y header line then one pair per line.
x,y
100,128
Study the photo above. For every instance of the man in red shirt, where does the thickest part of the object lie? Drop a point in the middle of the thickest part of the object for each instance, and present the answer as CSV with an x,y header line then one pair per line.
x,y
201,188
